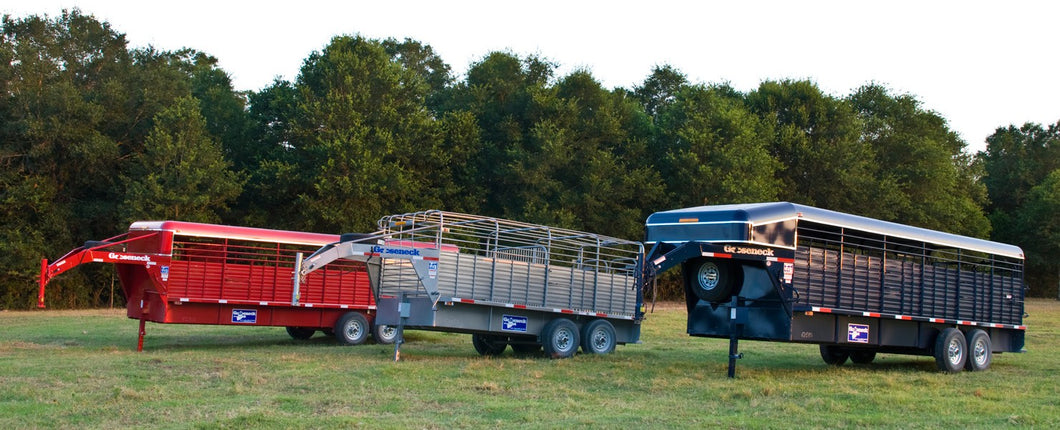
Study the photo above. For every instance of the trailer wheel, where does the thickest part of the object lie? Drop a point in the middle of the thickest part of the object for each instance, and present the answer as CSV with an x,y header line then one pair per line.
x,y
712,280
951,350
862,356
834,355
598,337
351,329
384,334
560,338
301,333
488,345
979,351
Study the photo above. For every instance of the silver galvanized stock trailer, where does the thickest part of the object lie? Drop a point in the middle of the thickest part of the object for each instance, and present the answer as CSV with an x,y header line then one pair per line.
x,y
504,282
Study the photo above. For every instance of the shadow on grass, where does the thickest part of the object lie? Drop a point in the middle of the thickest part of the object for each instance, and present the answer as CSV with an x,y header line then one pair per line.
x,y
215,342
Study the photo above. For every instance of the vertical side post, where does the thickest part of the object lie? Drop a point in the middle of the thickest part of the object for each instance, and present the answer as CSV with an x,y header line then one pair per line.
x,y
297,278
43,274
403,313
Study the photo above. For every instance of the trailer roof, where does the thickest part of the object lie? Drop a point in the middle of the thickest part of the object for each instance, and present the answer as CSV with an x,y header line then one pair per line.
x,y
233,232
766,213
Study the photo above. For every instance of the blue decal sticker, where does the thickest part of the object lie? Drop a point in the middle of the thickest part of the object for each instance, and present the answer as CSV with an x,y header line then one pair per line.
x,y
164,270
513,323
858,333
244,316
432,269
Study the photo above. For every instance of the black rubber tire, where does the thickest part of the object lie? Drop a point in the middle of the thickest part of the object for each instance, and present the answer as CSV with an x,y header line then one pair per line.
x,y
834,355
862,356
951,350
351,329
560,338
384,334
352,237
713,280
980,351
301,333
526,349
598,337
488,345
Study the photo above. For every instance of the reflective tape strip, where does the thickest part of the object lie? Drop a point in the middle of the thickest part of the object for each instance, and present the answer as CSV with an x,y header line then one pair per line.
x,y
717,255
903,317
870,314
534,308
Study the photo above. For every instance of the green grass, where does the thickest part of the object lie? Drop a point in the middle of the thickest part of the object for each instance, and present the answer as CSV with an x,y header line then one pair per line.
x,y
80,369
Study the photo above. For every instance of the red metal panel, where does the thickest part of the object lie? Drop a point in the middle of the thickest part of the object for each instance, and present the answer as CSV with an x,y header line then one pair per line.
x,y
181,228
192,273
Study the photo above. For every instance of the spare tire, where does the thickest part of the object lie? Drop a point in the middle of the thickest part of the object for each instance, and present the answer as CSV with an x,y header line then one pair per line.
x,y
713,280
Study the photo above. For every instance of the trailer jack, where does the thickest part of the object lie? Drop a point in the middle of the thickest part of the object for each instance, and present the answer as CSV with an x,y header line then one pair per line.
x,y
737,318
404,310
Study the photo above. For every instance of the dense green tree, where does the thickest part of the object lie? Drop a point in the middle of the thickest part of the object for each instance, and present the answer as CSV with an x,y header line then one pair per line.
x,y
824,162
428,66
367,141
56,157
585,165
569,153
274,179
1020,166
224,111
1017,159
660,88
715,151
1038,218
506,95
78,107
923,177
182,173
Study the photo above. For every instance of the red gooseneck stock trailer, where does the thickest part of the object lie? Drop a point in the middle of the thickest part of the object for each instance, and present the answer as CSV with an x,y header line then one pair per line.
x,y
193,273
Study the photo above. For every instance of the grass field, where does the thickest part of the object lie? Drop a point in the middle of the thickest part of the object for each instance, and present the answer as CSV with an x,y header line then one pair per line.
x,y
79,369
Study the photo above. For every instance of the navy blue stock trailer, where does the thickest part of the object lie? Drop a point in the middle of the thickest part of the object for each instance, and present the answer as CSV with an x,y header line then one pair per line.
x,y
854,285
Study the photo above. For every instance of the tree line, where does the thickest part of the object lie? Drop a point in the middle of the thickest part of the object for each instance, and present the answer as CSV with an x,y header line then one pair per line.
x,y
95,134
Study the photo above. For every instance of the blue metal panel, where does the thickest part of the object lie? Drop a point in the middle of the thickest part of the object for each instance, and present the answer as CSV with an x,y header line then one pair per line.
x,y
733,223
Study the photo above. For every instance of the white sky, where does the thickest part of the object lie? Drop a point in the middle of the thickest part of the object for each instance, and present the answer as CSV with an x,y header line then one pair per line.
x,y
978,64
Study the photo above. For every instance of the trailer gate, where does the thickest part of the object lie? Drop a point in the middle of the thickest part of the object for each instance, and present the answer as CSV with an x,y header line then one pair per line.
x,y
503,281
